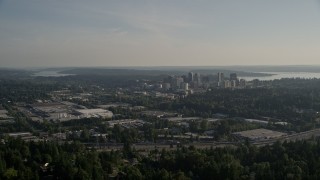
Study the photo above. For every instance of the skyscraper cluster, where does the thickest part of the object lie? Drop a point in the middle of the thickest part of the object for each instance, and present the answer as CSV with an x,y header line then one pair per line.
x,y
197,81
231,82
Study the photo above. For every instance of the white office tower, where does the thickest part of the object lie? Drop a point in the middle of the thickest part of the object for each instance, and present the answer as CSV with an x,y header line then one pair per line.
x,y
185,86
227,84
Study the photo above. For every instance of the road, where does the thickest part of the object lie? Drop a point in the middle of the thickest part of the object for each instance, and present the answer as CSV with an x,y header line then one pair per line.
x,y
146,147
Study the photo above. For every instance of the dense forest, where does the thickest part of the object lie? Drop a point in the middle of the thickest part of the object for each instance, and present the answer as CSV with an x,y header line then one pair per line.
x,y
26,90
298,106
48,160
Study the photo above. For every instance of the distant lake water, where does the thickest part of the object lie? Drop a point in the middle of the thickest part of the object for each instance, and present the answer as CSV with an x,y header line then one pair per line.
x,y
50,74
273,76
280,75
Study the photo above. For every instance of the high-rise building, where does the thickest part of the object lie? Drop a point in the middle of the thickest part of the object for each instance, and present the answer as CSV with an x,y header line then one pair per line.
x,y
185,86
190,77
227,84
243,82
169,79
233,83
166,86
185,78
233,76
197,78
178,81
220,77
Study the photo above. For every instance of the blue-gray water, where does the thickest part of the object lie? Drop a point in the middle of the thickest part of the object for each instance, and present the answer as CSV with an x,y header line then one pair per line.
x,y
275,75
280,75
50,74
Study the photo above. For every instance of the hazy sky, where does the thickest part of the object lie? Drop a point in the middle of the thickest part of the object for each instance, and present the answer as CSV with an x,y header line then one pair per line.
x,y
158,32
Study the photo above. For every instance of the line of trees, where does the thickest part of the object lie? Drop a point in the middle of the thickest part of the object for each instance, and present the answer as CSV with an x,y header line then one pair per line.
x,y
48,160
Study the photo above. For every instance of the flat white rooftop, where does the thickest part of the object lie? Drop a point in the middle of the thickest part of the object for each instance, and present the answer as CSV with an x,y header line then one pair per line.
x,y
92,111
257,121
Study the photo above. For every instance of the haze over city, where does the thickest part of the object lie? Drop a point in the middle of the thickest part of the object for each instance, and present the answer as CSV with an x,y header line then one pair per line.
x,y
158,33
159,89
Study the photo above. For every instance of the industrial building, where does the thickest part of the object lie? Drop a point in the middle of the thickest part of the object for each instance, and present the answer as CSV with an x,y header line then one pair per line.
x,y
127,123
99,113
